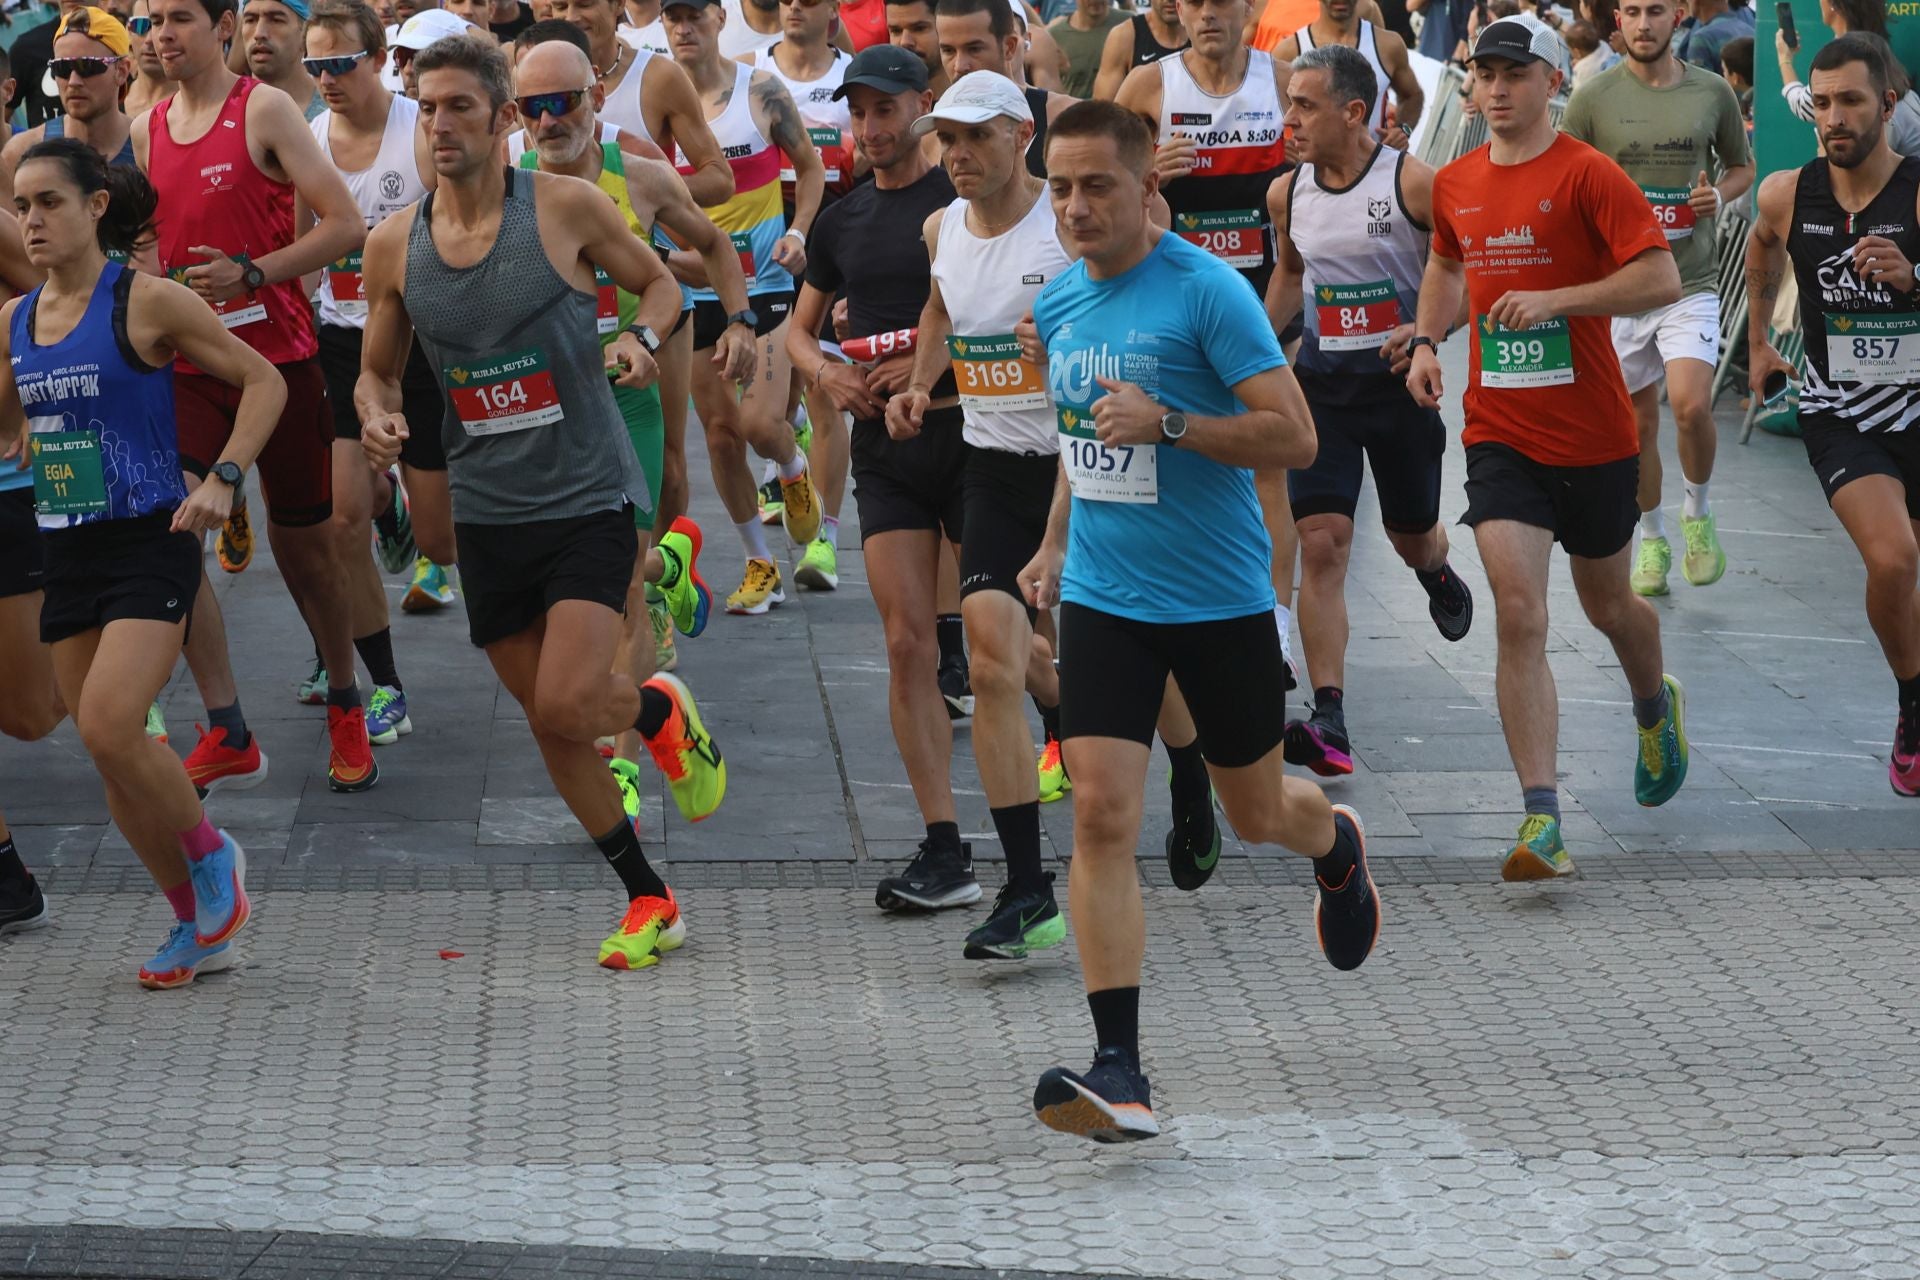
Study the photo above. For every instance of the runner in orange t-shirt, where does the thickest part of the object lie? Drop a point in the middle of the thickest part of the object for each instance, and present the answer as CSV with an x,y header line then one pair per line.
x,y
1549,239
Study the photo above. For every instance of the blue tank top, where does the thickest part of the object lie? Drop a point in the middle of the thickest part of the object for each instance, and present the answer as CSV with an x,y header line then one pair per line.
x,y
100,419
56,127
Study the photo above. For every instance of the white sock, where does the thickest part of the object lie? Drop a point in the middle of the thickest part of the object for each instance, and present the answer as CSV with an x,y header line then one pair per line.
x,y
1283,618
753,536
1653,524
796,468
830,531
1696,504
799,415
769,471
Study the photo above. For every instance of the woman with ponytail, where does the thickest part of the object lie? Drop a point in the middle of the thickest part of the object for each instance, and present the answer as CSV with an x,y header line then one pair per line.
x,y
86,406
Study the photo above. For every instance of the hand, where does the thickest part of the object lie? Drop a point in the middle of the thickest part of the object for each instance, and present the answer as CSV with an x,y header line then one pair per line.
x,y
1396,137
1290,148
1423,379
1040,580
1032,350
1704,198
1394,350
905,412
736,352
218,279
1878,260
381,437
1125,415
847,387
891,374
842,327
1784,52
207,507
1175,157
790,253
17,450
1518,309
635,363
1763,361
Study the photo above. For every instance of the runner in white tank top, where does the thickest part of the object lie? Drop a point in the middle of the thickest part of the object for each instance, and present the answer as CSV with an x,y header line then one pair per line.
x,y
1368,43
827,119
1385,52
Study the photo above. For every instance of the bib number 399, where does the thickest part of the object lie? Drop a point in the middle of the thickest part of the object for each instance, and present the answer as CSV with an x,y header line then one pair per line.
x,y
1538,357
1097,473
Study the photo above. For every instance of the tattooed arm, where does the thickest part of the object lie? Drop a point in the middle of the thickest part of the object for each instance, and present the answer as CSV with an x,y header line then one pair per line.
x,y
779,120
1766,272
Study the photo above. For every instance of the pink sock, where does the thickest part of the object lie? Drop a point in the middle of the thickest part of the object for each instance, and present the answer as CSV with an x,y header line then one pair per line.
x,y
200,841
180,898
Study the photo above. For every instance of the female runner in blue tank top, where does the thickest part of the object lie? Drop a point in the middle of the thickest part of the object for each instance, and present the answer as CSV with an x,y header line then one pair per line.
x,y
86,406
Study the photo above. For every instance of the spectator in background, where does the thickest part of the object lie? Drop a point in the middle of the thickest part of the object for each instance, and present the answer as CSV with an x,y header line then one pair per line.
x,y
6,92
1867,18
1736,64
32,91
1443,31
150,83
1082,37
1589,55
1711,25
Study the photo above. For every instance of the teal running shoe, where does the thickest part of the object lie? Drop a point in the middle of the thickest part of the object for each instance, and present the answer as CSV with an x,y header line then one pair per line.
x,y
393,529
1662,765
157,724
429,590
312,692
1539,853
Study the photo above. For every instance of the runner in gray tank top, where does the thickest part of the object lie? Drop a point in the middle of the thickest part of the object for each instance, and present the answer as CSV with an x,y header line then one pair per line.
x,y
495,271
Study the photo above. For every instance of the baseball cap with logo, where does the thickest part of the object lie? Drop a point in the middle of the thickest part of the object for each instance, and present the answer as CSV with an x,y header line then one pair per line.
x,y
1522,38
975,98
429,25
886,67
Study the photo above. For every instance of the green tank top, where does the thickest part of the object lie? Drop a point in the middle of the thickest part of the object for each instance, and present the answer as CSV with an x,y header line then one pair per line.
x,y
617,308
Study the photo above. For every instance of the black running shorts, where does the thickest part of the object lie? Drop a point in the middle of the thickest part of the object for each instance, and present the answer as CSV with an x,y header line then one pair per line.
x,y
512,574
115,570
22,551
1591,511
911,484
1842,453
710,318
420,398
1113,675
1006,497
1401,442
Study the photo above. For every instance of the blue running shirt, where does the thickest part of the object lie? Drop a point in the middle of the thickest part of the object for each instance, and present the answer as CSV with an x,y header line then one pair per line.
x,y
1173,536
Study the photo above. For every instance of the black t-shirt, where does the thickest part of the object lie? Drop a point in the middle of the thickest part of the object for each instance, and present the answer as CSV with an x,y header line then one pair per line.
x,y
30,55
868,246
506,31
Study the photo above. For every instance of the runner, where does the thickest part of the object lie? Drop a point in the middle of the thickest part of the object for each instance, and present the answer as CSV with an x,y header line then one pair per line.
x,y
1850,222
752,115
1162,570
869,246
254,141
910,26
541,471
1150,35
91,64
992,249
1547,238
150,83
981,35
1665,122
1339,23
752,26
88,381
271,47
1353,224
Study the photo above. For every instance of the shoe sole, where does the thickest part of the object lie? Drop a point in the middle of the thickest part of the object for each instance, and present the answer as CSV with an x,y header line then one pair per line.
x,y
1177,871
350,788
1463,620
1050,933
28,925
422,602
816,579
1661,590
959,708
1718,574
212,964
234,781
1379,911
1893,780
401,728
242,905
894,900
1524,865
669,939
1087,1115
1302,748
754,611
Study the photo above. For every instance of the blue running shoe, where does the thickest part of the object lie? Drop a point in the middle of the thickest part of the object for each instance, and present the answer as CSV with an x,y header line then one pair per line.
x,y
181,959
219,892
1662,765
387,716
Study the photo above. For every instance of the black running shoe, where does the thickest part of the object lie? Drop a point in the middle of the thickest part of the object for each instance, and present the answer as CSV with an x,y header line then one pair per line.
x,y
1111,1103
1320,743
956,688
1347,915
1450,604
1022,922
22,906
1293,677
934,880
1193,843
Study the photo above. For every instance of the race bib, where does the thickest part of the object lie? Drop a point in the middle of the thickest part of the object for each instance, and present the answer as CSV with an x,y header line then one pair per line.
x,y
67,479
512,393
1238,237
343,278
1124,473
1878,349
826,142
991,374
1671,210
743,245
1356,317
606,315
1538,357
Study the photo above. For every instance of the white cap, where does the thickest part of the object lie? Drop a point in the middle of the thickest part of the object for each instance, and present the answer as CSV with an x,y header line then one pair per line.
x,y
429,25
1521,38
975,98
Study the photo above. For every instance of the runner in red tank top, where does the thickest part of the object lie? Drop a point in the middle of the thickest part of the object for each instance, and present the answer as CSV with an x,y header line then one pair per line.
x,y
221,154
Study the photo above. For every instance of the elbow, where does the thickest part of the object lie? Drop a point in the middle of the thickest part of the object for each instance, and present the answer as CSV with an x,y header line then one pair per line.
x,y
1669,284
1298,444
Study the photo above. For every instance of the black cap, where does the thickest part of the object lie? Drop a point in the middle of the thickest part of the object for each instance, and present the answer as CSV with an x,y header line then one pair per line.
x,y
886,67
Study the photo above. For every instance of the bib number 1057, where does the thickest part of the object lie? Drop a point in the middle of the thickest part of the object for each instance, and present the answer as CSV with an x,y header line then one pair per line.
x,y
1099,473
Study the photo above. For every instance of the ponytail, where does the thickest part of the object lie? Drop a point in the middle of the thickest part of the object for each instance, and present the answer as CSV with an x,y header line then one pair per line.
x,y
127,224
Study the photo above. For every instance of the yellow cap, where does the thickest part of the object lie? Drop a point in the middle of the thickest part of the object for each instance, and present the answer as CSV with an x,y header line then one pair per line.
x,y
99,24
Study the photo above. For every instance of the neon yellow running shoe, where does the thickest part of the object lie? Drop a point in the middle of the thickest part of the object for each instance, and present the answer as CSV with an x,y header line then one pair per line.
x,y
157,724
1704,561
1651,565
1539,853
819,568
627,774
686,753
1054,781
660,618
650,927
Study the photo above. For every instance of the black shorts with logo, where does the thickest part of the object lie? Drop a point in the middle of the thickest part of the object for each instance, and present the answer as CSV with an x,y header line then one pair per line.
x,y
22,550
911,484
114,570
420,398
1591,511
512,574
1005,497
1401,442
1841,453
710,318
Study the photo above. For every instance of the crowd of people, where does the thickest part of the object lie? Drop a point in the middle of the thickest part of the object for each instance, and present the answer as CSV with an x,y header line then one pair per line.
x,y
1104,371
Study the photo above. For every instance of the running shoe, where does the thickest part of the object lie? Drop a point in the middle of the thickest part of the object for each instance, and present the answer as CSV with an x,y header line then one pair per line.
x,y
429,590
800,510
1538,853
157,724
1904,771
759,589
819,568
1293,675
181,959
393,529
219,880
23,907
956,686
651,926
660,618
387,716
1111,1103
1703,561
1320,743
234,545
1651,565
772,508
350,765
1450,605
1662,765
627,774
1054,781
1022,921
1193,843
1346,916
803,430
688,599
935,880
214,766
312,692
685,752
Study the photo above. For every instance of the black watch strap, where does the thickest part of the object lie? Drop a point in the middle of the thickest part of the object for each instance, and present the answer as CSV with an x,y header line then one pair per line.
x,y
1421,340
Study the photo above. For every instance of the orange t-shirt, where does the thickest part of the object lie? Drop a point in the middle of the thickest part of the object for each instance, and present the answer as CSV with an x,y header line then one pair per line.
x,y
1569,216
1280,19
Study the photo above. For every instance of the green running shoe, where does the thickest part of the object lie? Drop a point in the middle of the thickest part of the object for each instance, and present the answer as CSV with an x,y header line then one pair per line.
x,y
157,724
687,754
627,774
819,568
688,599
803,430
1054,782
1662,765
1651,565
1539,853
665,656
1704,561
312,691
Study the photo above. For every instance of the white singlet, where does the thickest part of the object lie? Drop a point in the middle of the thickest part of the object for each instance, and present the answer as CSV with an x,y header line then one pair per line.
x,y
827,121
1368,47
737,39
1364,257
622,108
388,185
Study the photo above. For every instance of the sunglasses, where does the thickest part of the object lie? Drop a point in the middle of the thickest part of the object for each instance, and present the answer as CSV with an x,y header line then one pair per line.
x,y
61,68
563,103
335,67
803,4
139,26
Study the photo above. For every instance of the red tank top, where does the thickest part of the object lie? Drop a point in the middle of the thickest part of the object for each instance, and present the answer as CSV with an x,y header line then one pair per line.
x,y
212,193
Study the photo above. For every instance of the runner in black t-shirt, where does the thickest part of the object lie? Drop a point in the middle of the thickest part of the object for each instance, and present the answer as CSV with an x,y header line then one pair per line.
x,y
870,246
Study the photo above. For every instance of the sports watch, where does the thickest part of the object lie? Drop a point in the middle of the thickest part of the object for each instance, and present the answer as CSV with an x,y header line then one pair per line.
x,y
228,473
252,278
1173,427
749,318
1420,341
648,338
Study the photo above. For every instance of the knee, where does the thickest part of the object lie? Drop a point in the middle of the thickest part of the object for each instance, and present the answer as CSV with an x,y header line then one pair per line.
x,y
993,671
1521,620
912,649
1106,831
1690,411
569,712
1415,549
1264,825
1892,569
111,739
1610,610
30,720
1323,551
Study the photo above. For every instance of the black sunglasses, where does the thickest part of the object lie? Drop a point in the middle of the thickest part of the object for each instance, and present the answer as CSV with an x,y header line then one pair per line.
x,y
564,102
336,66
61,68
139,26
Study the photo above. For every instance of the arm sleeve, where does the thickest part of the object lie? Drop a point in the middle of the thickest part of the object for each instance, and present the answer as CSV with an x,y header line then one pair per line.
x,y
1799,100
1445,242
1730,139
1577,122
1230,322
1620,213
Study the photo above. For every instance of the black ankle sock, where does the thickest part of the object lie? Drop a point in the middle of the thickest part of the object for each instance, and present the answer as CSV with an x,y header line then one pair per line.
x,y
1330,702
621,848
376,651
953,638
1331,866
670,570
944,835
230,719
1545,800
1431,579
12,870
1910,694
1019,829
1648,712
1190,780
346,699
655,709
1049,718
1116,1020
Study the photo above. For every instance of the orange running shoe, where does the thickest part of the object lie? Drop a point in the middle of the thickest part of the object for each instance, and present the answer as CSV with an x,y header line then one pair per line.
x,y
685,751
234,546
651,926
214,766
350,765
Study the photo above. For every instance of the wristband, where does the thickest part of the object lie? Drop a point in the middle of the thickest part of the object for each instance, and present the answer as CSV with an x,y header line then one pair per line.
x,y
799,235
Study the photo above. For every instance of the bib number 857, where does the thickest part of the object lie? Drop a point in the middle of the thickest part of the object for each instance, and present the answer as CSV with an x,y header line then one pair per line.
x,y
1513,351
1875,348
